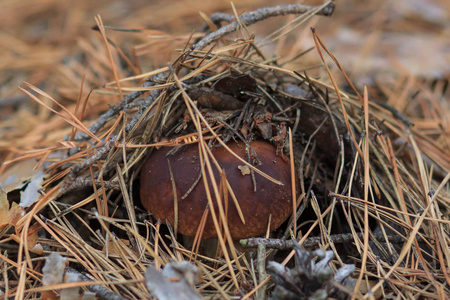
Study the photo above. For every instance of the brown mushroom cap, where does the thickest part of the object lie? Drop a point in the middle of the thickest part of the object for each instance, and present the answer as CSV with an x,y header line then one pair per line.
x,y
269,199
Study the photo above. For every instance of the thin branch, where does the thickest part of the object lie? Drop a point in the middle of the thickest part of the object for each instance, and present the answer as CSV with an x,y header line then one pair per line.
x,y
100,291
259,15
115,109
314,241
101,152
81,183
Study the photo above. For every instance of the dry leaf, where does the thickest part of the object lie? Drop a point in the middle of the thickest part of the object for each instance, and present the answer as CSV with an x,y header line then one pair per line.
x,y
72,293
32,238
23,174
18,174
263,123
236,86
9,215
209,98
31,192
53,273
245,170
176,281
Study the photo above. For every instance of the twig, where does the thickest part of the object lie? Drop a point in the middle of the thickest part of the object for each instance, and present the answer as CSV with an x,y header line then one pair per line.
x,y
314,241
81,182
262,274
141,104
78,183
395,113
105,117
259,15
216,18
101,152
153,96
115,109
100,291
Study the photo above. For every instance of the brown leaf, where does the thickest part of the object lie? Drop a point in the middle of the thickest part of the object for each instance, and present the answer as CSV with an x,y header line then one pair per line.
x,y
14,176
32,238
236,86
263,123
215,99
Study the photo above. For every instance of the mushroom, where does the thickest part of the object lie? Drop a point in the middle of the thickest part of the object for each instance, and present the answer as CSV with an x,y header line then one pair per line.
x,y
261,200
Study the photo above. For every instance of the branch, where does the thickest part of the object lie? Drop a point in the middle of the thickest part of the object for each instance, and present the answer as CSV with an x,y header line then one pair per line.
x,y
312,241
259,15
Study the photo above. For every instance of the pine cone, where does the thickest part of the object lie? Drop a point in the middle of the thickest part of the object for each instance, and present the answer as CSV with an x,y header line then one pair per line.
x,y
310,280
